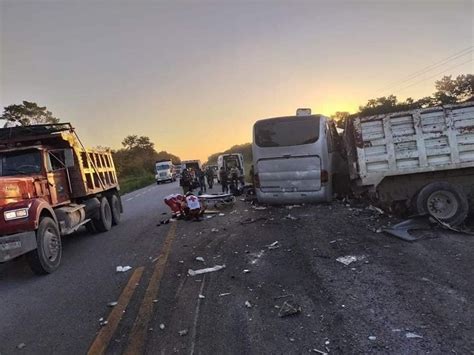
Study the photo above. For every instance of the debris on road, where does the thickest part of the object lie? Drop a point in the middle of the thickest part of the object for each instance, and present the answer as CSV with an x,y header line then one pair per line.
x,y
348,259
221,214
410,335
290,207
320,352
246,271
401,229
259,208
288,308
199,258
290,217
103,323
224,294
123,268
211,212
112,304
248,304
214,230
21,346
183,332
274,245
206,270
376,209
162,326
372,337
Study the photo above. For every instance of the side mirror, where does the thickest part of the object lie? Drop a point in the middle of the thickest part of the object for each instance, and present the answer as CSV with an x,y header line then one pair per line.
x,y
68,158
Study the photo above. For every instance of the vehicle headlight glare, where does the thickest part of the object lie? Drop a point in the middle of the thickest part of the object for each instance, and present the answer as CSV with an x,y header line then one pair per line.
x,y
15,214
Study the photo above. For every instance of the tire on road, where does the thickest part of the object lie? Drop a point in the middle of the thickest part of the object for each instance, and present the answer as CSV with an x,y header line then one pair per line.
x,y
114,202
445,201
104,221
47,257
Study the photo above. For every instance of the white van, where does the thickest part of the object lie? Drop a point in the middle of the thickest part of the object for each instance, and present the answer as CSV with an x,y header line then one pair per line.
x,y
293,158
228,161
164,171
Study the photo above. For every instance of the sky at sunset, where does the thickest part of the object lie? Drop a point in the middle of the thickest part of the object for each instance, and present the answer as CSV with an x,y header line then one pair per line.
x,y
195,75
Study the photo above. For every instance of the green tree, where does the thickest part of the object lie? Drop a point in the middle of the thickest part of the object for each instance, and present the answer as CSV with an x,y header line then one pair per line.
x,y
340,118
26,114
450,91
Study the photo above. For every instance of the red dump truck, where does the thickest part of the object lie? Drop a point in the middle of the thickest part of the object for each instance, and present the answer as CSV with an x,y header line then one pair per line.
x,y
50,185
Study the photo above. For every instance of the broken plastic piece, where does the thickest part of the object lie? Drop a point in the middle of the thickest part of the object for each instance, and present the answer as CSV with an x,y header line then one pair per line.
x,y
162,326
248,304
372,337
200,258
214,230
206,270
202,296
112,304
289,308
183,332
123,268
348,259
224,294
410,335
401,229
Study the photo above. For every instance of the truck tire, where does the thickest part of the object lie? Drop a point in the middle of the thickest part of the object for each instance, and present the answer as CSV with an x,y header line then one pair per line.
x,y
114,202
104,221
445,201
47,257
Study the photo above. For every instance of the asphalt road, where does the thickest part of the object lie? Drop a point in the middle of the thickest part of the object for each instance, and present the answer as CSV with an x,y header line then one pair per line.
x,y
397,298
59,313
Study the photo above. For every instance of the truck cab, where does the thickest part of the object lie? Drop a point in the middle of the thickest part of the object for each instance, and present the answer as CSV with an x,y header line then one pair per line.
x,y
50,185
165,171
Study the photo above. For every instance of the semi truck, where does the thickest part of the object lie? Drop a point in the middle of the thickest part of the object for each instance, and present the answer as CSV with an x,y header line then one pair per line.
x,y
164,171
50,186
420,160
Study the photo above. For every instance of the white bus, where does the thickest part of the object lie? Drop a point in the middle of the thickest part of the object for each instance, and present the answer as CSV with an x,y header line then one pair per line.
x,y
293,158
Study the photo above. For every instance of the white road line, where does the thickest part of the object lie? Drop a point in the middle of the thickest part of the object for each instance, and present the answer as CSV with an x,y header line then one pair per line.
x,y
196,317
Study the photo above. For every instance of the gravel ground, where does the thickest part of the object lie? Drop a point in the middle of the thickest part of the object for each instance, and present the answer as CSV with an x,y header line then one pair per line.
x,y
397,297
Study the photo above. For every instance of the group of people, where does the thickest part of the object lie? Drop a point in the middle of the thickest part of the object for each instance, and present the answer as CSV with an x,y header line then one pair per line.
x,y
197,178
231,179
187,206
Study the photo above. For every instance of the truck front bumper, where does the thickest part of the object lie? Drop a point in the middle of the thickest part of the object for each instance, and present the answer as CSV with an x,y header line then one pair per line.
x,y
17,244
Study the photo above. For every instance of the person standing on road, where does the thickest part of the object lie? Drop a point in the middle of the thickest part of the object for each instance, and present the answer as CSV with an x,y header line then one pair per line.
x,y
223,178
186,181
234,182
210,177
202,180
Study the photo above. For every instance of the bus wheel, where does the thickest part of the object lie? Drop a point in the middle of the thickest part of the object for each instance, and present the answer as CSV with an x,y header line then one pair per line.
x,y
104,222
46,258
444,201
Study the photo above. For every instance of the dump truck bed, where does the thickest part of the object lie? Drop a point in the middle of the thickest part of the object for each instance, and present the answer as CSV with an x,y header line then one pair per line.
x,y
424,140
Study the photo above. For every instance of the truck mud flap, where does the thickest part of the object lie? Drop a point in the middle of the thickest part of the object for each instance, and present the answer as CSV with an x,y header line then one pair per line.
x,y
17,244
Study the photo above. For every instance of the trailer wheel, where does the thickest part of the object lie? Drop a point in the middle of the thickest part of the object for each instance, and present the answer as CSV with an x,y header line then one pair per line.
x,y
104,222
443,200
47,257
115,207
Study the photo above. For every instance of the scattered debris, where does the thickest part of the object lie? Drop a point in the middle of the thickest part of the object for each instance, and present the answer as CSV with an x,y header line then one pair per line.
x,y
21,346
283,296
123,268
214,230
401,229
112,304
372,337
103,323
288,308
199,258
155,259
248,304
290,217
211,212
292,339
202,296
224,294
246,271
376,209
292,206
348,259
221,214
252,220
320,352
206,270
209,217
183,332
259,208
172,220
410,335
274,245
162,326
155,301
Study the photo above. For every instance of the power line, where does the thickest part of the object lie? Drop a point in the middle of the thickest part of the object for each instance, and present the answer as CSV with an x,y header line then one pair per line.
x,y
431,77
429,68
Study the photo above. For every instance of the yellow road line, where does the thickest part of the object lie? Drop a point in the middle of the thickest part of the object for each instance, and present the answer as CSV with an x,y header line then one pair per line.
x,y
102,340
137,337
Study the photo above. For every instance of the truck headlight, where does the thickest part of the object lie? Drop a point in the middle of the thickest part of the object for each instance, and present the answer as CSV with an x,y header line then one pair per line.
x,y
15,214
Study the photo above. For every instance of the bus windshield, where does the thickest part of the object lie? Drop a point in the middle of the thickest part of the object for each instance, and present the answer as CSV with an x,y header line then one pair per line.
x,y
287,131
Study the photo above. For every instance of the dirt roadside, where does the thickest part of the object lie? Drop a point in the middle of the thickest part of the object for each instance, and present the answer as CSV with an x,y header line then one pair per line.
x,y
398,297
